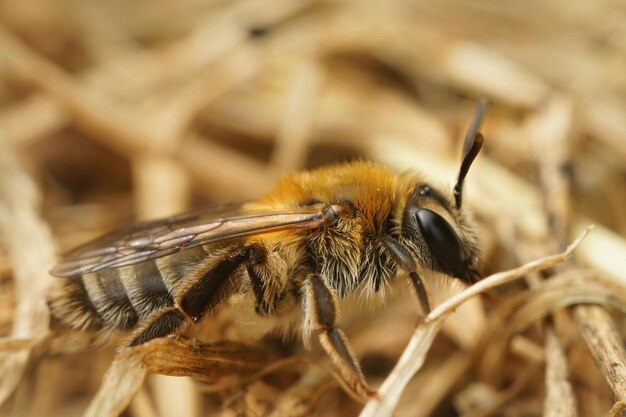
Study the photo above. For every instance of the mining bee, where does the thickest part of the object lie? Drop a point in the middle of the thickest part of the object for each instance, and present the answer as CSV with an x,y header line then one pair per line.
x,y
291,258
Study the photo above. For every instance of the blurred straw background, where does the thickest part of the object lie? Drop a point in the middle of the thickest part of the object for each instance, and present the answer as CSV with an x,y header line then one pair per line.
x,y
114,111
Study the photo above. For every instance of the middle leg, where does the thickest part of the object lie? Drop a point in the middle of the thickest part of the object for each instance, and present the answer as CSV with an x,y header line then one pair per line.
x,y
320,313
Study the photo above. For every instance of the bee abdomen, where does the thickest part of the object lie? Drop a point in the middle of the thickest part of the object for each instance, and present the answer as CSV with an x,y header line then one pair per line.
x,y
70,303
145,288
112,298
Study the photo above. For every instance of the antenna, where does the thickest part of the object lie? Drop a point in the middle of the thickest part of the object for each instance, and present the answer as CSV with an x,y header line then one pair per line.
x,y
473,143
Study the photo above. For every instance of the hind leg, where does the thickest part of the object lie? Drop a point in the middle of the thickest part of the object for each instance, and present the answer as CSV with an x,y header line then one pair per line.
x,y
268,276
160,324
195,300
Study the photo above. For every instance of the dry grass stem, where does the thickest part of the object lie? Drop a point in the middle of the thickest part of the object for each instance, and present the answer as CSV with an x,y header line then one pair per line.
x,y
119,387
302,397
295,131
550,130
524,310
26,238
118,128
500,399
605,345
504,277
141,405
605,119
430,387
618,409
560,400
592,320
414,354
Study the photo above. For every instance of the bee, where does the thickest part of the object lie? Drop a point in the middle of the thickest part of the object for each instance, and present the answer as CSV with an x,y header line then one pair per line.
x,y
293,256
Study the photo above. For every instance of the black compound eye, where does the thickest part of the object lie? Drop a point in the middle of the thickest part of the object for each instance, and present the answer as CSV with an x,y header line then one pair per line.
x,y
443,241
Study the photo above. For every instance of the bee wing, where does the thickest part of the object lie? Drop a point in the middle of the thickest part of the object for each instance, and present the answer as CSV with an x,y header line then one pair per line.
x,y
154,239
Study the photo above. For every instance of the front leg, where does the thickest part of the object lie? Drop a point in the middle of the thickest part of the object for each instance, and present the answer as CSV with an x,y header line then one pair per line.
x,y
320,313
405,260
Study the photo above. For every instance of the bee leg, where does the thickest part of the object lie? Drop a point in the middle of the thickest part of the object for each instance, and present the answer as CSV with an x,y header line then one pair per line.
x,y
262,306
420,291
405,260
160,324
213,285
209,288
268,276
320,309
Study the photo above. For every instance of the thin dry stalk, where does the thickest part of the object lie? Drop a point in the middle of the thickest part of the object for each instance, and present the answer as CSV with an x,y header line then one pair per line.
x,y
502,398
43,114
205,44
604,118
504,277
427,50
294,133
618,409
119,387
345,100
413,356
88,106
604,251
164,388
162,187
605,345
141,405
594,323
119,129
550,130
31,249
430,390
409,363
560,400
520,312
303,396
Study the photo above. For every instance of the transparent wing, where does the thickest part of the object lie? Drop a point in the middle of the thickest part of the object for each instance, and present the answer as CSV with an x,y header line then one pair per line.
x,y
154,239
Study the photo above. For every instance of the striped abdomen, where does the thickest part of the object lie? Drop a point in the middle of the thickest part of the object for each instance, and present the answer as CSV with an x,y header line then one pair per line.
x,y
121,297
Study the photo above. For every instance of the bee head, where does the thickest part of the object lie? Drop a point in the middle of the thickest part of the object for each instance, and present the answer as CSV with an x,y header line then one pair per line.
x,y
436,228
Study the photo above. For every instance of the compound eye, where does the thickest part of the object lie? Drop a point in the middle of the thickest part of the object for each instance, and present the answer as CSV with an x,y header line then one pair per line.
x,y
443,241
